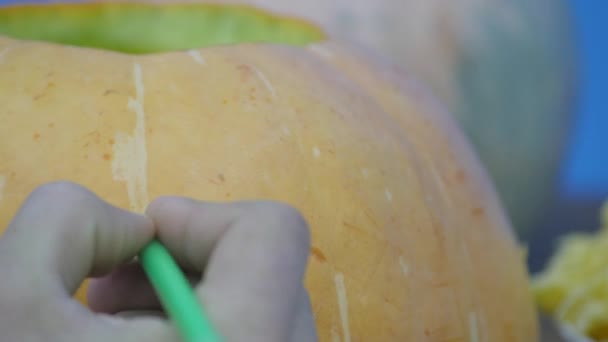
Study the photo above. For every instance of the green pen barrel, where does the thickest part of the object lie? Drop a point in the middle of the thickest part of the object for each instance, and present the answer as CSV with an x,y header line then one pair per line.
x,y
176,295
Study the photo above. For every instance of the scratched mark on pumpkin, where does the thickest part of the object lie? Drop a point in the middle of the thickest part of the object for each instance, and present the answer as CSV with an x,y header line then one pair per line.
x,y
2,185
130,155
318,254
443,193
265,81
370,217
335,337
342,305
198,58
473,330
365,172
320,51
388,194
3,52
405,268
316,152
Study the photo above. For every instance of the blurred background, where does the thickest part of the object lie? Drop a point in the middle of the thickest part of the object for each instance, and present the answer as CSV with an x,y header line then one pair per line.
x,y
584,178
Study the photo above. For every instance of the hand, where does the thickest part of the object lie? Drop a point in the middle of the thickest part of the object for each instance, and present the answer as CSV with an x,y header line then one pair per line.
x,y
253,255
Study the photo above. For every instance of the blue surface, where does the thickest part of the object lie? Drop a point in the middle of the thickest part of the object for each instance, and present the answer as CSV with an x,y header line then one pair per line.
x,y
586,170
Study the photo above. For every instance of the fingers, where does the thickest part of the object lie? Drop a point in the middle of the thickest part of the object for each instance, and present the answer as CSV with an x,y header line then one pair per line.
x,y
254,256
304,329
64,233
60,320
127,288
103,328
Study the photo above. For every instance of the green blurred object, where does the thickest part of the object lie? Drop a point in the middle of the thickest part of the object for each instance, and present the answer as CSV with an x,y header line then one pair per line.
x,y
176,295
146,28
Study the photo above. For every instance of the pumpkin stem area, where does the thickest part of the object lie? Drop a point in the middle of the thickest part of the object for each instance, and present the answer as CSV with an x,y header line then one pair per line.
x,y
139,28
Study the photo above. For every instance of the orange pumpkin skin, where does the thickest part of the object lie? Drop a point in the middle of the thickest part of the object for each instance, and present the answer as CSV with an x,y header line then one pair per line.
x,y
483,59
409,240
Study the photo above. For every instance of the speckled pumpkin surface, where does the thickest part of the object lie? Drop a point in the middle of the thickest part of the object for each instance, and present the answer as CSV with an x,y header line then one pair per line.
x,y
409,240
506,69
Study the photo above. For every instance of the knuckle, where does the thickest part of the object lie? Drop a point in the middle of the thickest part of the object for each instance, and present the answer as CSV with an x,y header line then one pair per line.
x,y
283,217
179,212
61,188
280,211
61,193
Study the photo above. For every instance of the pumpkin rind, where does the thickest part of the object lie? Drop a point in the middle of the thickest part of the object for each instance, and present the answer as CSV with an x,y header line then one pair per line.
x,y
505,69
409,240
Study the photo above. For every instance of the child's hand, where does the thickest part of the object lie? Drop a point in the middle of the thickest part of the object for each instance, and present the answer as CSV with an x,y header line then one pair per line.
x,y
254,255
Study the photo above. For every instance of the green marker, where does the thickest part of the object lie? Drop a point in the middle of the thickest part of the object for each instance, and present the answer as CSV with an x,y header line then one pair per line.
x,y
176,295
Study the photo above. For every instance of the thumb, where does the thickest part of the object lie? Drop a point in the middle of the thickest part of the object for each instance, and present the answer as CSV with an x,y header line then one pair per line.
x,y
64,233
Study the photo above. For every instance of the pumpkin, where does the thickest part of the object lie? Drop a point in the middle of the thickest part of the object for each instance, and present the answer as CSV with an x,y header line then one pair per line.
x,y
410,242
506,69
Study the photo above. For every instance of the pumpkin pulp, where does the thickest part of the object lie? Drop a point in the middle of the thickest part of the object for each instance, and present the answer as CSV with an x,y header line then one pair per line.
x,y
138,28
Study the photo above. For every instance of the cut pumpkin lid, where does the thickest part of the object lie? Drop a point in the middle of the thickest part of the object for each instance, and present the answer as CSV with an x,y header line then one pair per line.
x,y
139,28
